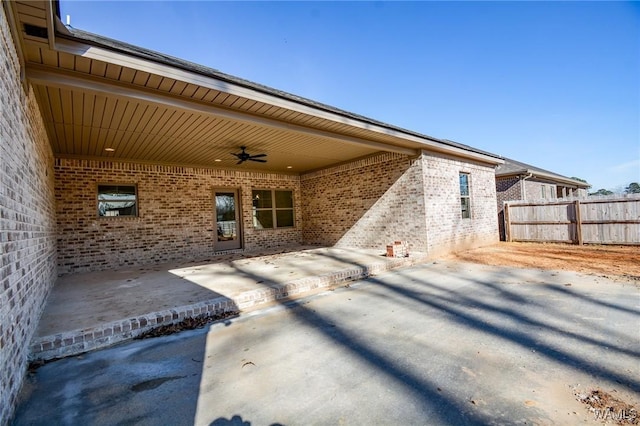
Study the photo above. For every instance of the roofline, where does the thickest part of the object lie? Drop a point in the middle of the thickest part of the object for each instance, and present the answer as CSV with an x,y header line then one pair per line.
x,y
549,176
94,46
67,80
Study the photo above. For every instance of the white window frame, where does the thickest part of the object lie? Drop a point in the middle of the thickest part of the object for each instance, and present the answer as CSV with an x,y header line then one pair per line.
x,y
464,196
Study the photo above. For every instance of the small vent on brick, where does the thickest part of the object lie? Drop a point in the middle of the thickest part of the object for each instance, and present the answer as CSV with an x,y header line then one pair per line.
x,y
35,31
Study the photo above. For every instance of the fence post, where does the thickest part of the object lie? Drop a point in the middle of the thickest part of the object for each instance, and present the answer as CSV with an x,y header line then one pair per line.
x,y
507,223
578,222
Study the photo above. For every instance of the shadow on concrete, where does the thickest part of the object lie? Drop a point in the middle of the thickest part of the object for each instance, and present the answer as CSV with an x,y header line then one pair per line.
x,y
595,303
522,330
94,310
564,337
519,333
235,421
539,334
443,408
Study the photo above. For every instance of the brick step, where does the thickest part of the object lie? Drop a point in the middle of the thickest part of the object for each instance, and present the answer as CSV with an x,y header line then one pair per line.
x,y
75,342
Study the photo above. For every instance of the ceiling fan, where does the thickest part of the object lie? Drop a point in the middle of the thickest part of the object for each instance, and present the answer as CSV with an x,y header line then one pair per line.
x,y
244,156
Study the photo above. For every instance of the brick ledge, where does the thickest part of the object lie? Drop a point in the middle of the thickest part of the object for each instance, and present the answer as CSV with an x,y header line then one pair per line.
x,y
78,341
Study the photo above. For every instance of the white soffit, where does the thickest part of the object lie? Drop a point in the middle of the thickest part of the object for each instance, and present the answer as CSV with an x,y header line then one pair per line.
x,y
163,70
66,80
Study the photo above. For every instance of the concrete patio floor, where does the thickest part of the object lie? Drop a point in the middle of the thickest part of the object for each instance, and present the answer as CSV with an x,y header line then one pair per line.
x,y
440,343
88,311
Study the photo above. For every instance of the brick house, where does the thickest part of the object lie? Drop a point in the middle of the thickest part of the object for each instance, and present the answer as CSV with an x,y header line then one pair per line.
x,y
520,181
113,155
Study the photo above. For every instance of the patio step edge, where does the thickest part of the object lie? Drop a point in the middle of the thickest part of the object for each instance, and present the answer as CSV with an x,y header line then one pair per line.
x,y
76,342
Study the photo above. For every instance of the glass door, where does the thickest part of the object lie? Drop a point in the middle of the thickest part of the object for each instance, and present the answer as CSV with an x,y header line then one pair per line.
x,y
227,219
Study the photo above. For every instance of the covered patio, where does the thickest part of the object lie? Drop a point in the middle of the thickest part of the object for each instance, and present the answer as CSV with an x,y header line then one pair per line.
x,y
119,159
93,310
208,161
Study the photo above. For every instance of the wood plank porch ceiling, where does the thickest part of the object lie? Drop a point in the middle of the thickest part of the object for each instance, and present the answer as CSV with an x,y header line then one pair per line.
x,y
148,113
85,123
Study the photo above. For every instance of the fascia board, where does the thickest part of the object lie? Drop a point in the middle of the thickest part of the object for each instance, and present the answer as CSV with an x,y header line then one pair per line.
x,y
513,173
461,153
542,175
129,61
152,67
63,79
564,181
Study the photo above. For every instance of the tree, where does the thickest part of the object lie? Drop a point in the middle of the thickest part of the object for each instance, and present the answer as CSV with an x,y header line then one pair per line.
x,y
577,178
633,188
602,191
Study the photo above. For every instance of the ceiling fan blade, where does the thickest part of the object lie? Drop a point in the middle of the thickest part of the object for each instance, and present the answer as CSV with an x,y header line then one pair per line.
x,y
244,156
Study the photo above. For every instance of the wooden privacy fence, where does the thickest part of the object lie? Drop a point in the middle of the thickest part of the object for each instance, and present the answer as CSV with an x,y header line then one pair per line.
x,y
594,220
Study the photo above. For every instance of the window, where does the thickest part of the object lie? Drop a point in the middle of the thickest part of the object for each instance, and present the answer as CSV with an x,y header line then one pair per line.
x,y
465,201
543,192
117,200
272,208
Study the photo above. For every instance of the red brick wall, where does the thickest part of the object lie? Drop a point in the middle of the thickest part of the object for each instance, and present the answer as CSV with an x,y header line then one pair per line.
x,y
447,230
533,188
175,220
508,188
390,197
367,203
27,221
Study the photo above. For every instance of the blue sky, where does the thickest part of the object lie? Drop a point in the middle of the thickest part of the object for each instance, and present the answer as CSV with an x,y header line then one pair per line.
x,y
555,85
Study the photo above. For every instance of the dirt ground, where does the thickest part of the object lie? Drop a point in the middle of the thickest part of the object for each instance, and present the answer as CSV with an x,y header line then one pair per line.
x,y
616,262
620,263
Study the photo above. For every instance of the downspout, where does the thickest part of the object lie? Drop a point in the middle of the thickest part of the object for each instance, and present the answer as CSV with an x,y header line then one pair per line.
x,y
522,188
